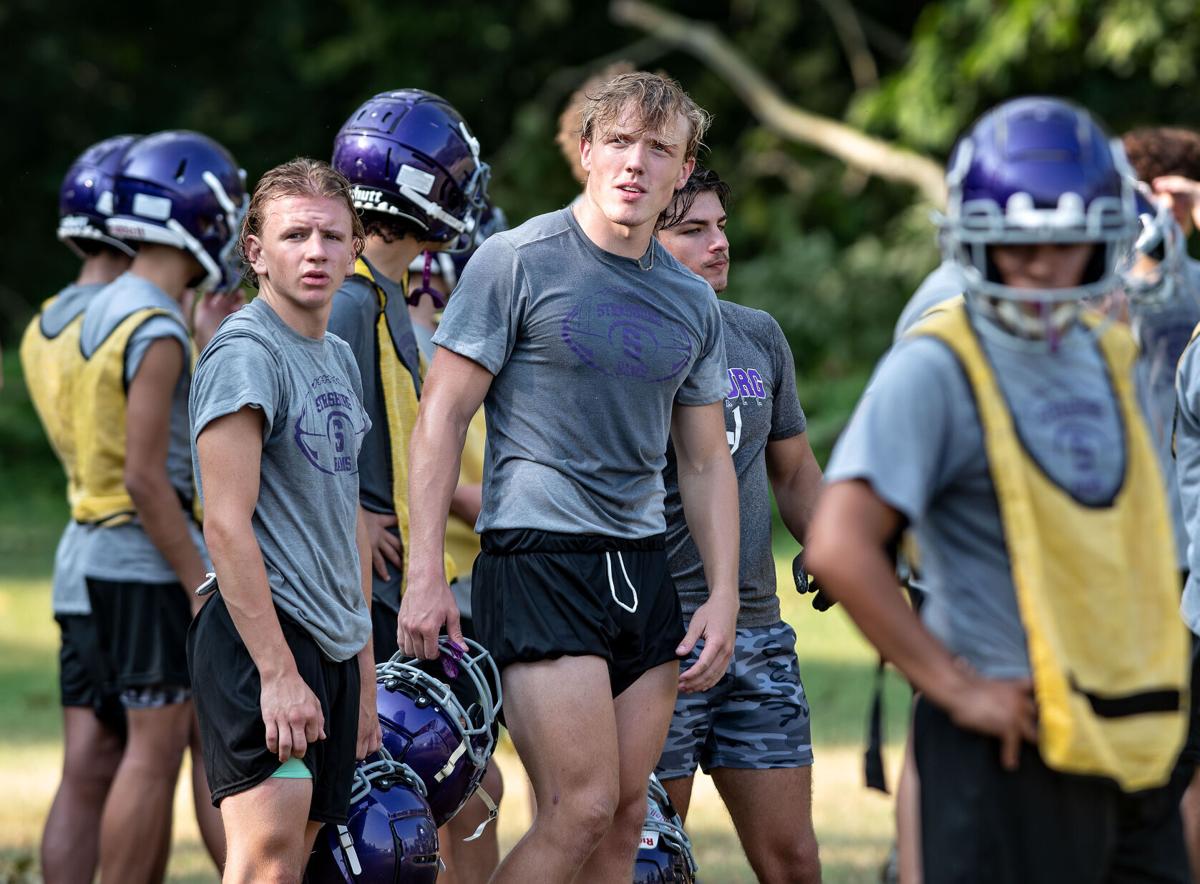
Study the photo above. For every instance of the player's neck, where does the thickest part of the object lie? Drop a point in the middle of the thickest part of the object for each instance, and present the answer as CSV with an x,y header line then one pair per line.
x,y
309,320
167,267
101,268
620,239
392,258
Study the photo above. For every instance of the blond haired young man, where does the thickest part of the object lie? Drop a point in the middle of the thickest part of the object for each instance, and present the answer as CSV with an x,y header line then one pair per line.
x,y
281,658
586,342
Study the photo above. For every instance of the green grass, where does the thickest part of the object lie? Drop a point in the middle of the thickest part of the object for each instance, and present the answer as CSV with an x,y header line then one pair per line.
x,y
853,825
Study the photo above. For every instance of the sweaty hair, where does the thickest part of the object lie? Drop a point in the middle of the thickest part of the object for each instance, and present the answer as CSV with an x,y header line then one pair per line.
x,y
389,228
1163,150
658,100
701,180
299,177
570,121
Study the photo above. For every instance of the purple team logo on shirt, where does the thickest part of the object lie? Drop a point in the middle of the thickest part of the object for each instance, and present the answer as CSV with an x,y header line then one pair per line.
x,y
625,337
746,383
330,428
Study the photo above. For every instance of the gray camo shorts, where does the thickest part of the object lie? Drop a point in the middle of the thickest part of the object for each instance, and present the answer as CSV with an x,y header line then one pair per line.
x,y
756,717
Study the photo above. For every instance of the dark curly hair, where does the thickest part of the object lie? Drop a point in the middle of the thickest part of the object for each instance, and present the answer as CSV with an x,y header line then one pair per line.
x,y
1163,150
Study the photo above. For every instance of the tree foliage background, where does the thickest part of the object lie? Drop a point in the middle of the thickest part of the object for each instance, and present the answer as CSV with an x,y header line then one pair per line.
x,y
832,252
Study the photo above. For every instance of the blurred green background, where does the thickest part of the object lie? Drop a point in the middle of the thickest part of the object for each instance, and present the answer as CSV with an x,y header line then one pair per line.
x,y
832,251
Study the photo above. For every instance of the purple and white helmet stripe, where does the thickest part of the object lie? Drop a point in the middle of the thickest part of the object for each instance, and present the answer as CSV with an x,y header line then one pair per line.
x,y
85,199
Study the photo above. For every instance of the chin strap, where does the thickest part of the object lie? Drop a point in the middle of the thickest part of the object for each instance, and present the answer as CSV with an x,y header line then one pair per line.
x,y
492,809
414,297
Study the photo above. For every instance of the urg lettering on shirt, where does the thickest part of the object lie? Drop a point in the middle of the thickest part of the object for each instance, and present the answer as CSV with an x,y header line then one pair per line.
x,y
746,383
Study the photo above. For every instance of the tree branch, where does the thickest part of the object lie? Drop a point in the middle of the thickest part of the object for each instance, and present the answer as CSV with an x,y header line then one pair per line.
x,y
854,42
864,152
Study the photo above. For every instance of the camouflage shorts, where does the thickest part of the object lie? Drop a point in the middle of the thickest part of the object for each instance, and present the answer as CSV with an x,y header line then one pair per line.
x,y
755,717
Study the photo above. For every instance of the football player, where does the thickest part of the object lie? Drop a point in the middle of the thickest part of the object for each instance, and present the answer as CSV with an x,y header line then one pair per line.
x,y
281,658
178,196
589,342
751,731
412,206
1005,429
93,720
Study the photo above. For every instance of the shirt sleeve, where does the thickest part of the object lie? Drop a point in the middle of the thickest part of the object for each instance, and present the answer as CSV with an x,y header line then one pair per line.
x,y
708,379
900,438
484,314
147,333
352,318
787,416
237,370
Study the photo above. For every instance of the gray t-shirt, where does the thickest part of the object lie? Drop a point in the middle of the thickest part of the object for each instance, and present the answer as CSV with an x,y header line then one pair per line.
x,y
354,318
916,439
313,428
1162,332
761,406
945,281
69,590
125,552
590,352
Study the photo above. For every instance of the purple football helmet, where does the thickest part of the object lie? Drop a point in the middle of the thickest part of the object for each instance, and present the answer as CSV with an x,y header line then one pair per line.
x,y
409,154
665,853
85,199
439,718
390,835
183,189
1038,170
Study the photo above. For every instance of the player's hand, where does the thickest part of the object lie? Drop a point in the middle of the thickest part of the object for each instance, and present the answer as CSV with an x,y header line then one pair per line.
x,y
209,311
426,607
806,584
1003,709
385,545
370,737
715,622
292,714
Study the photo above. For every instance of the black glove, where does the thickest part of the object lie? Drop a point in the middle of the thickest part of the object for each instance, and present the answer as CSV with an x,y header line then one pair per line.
x,y
805,584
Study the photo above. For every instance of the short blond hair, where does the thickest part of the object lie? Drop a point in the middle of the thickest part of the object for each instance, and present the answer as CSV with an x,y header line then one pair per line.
x,y
659,101
570,121
299,177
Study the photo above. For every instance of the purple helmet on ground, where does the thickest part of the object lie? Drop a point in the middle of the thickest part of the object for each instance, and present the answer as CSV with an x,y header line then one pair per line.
x,y
389,837
1038,170
85,200
410,155
440,718
665,853
183,189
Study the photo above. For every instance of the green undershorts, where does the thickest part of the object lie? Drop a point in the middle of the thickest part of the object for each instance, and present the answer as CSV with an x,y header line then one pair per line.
x,y
292,769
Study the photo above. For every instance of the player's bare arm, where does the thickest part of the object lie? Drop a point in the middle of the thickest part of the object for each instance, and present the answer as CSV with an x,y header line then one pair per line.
x,y
708,487
847,551
370,737
230,452
796,480
147,434
454,391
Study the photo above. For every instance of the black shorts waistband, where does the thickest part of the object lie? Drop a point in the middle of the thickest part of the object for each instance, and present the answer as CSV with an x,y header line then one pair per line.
x,y
514,541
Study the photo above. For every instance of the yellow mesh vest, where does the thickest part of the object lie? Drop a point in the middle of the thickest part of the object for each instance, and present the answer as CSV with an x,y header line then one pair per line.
x,y
400,407
1096,587
98,422
50,366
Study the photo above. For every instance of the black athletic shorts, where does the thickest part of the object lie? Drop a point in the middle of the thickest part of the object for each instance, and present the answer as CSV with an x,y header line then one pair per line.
x,y
981,823
84,678
232,734
537,595
142,628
